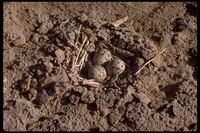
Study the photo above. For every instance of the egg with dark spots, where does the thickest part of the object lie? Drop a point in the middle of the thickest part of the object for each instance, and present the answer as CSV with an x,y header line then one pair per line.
x,y
98,73
115,67
102,56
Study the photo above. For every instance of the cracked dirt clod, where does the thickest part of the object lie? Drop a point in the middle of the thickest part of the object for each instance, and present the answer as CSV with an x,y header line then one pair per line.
x,y
103,33
98,73
101,57
74,99
114,117
115,67
60,54
83,17
79,89
8,55
49,66
88,97
142,98
42,97
104,100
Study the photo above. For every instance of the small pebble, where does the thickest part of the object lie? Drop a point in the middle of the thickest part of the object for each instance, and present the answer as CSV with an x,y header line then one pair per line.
x,y
142,97
114,118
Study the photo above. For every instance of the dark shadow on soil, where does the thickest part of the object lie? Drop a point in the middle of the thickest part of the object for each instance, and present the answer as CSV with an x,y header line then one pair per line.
x,y
156,38
130,124
179,25
192,126
192,61
92,107
167,110
160,109
94,129
60,113
50,88
65,101
191,9
170,90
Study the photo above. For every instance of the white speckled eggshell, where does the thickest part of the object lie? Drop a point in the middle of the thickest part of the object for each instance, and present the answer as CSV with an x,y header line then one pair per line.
x,y
115,67
101,57
97,72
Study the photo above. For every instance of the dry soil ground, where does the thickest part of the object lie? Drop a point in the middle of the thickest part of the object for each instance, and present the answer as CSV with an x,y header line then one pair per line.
x,y
43,91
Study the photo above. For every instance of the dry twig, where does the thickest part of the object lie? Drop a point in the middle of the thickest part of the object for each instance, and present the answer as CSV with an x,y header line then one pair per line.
x,y
81,63
149,61
81,47
91,82
72,23
77,57
64,33
119,22
29,82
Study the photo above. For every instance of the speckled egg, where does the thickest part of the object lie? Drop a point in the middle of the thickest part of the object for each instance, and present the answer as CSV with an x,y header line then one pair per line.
x,y
102,56
115,67
98,73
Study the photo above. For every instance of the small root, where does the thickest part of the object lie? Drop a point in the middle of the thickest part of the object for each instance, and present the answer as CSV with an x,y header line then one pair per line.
x,y
81,63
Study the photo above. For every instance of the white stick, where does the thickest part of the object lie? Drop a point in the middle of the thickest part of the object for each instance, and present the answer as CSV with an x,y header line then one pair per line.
x,y
149,61
120,21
